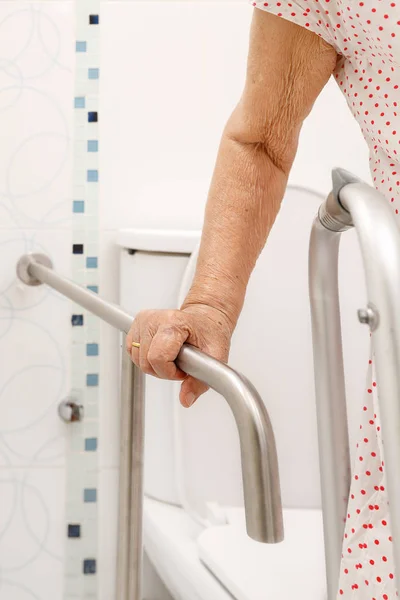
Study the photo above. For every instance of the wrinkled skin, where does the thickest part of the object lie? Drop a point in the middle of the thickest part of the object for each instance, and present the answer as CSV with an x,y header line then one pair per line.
x,y
162,334
287,68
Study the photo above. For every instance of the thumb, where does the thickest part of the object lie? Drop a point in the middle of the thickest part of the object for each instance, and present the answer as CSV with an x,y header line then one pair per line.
x,y
191,389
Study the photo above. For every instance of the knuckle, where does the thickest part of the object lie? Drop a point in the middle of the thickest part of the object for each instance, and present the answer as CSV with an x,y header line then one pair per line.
x,y
155,357
145,366
172,330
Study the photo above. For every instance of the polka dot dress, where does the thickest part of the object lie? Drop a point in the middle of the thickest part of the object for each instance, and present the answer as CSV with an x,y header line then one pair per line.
x,y
366,36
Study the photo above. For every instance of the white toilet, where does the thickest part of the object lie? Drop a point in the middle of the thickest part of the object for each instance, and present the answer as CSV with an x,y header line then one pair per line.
x,y
194,531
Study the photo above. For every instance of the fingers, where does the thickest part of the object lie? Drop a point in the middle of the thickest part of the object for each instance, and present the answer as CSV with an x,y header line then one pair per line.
x,y
161,335
133,336
164,349
145,343
191,390
159,346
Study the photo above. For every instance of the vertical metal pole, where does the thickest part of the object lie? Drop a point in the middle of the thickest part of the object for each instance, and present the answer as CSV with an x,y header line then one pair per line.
x,y
125,461
130,519
333,441
136,483
379,238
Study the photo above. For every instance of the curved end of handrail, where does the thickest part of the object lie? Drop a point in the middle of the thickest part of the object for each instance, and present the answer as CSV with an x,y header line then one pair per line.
x,y
259,458
261,487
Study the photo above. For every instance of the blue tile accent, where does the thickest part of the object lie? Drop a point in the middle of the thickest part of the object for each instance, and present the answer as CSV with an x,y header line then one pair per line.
x,y
77,320
93,288
80,46
77,248
91,262
92,349
90,495
74,530
92,379
79,102
89,566
91,444
92,175
93,19
93,73
78,206
93,116
93,146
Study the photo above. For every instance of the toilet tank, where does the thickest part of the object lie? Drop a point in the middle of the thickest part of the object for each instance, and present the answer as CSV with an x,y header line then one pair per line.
x,y
152,265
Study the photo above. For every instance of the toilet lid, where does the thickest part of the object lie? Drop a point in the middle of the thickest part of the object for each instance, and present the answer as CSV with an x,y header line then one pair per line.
x,y
291,570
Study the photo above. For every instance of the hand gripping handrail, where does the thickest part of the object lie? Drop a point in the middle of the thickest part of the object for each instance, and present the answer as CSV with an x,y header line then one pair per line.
x,y
353,203
258,451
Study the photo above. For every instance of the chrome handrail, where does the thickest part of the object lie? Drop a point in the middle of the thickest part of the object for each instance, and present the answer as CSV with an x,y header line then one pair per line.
x,y
260,472
354,204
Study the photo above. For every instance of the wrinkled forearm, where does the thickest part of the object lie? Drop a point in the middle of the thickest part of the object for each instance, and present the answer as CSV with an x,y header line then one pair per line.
x,y
244,200
287,68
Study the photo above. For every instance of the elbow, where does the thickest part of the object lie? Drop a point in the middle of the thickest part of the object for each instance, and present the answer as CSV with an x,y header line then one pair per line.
x,y
271,139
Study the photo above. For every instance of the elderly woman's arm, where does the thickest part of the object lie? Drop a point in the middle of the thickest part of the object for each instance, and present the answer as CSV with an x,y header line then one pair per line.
x,y
287,68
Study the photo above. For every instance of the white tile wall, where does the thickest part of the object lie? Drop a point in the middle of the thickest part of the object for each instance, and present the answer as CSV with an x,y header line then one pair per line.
x,y
36,91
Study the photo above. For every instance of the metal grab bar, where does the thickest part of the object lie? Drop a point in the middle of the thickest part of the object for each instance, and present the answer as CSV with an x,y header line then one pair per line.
x,y
353,203
263,508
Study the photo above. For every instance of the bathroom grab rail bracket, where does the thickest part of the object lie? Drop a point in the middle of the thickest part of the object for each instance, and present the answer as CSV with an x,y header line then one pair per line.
x,y
354,204
263,507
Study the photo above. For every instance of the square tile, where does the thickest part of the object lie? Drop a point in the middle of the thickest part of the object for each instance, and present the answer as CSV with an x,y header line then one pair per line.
x,y
92,379
74,530
91,444
92,349
92,175
77,320
92,117
77,248
79,102
91,262
93,73
93,146
94,19
78,206
93,288
89,566
90,495
80,46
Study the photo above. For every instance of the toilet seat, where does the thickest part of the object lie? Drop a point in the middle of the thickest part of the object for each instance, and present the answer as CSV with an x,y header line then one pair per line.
x,y
222,563
170,540
254,571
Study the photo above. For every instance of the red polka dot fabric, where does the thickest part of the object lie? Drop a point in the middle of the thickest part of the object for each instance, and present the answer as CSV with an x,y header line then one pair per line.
x,y
366,36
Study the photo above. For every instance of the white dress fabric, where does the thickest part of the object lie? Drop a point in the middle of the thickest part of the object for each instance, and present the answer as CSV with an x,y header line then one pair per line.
x,y
366,36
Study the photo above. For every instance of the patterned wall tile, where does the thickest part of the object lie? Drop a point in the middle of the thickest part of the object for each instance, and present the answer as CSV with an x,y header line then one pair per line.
x,y
36,110
35,114
34,350
32,534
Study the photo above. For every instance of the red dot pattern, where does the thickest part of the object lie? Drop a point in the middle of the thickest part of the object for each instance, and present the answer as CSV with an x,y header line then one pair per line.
x,y
366,35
